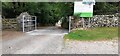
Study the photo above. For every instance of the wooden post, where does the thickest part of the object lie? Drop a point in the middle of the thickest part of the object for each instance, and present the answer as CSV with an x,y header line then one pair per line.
x,y
89,23
83,22
0,23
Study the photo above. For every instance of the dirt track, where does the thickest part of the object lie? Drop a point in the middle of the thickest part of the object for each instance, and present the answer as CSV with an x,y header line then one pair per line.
x,y
8,35
49,40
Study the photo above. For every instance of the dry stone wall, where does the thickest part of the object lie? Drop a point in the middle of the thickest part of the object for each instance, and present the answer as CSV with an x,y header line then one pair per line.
x,y
28,24
104,21
96,21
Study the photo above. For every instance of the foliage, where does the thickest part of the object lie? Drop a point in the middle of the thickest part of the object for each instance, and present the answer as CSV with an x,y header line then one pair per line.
x,y
103,33
48,13
106,8
65,23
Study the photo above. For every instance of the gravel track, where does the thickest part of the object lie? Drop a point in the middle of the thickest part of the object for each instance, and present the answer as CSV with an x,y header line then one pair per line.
x,y
49,40
42,41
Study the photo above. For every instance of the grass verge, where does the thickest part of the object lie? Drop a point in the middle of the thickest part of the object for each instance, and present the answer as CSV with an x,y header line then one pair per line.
x,y
101,33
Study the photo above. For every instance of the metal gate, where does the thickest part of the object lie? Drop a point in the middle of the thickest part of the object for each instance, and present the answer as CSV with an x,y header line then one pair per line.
x,y
29,23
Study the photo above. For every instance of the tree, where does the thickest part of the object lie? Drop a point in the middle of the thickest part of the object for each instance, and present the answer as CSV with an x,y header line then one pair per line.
x,y
106,8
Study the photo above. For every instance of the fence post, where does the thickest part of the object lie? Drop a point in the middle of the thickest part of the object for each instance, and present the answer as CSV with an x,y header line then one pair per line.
x,y
89,23
83,22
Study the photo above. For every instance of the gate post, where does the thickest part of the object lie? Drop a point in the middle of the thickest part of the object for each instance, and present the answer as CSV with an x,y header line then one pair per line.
x,y
83,22
23,24
69,23
35,23
89,25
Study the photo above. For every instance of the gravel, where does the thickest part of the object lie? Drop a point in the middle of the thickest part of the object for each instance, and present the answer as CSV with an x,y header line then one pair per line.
x,y
43,41
49,40
91,47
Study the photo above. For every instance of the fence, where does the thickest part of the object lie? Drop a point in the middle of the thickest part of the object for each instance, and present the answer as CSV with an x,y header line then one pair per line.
x,y
9,23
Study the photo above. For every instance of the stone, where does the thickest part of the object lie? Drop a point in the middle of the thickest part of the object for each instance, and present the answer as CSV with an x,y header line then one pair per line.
x,y
97,21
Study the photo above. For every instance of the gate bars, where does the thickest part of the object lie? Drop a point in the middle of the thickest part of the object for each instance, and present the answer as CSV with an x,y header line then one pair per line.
x,y
29,23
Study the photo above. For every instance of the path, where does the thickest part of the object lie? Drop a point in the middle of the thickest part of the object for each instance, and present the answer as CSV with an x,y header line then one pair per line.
x,y
43,41
49,40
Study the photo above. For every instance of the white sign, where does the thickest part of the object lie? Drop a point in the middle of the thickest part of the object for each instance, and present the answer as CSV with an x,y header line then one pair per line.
x,y
84,8
80,7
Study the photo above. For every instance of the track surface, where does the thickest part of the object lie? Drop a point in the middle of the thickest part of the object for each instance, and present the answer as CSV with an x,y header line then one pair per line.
x,y
49,40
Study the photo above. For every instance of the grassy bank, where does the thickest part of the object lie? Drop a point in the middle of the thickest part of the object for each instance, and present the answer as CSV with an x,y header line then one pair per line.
x,y
103,33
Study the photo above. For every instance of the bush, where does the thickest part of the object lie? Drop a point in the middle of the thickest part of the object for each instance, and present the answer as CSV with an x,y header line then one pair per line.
x,y
65,23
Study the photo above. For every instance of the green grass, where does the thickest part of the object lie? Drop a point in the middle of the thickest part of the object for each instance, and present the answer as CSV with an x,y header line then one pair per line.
x,y
103,33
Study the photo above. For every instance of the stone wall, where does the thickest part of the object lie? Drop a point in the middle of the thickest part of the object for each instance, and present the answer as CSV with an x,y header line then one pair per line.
x,y
96,21
26,22
20,20
104,21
